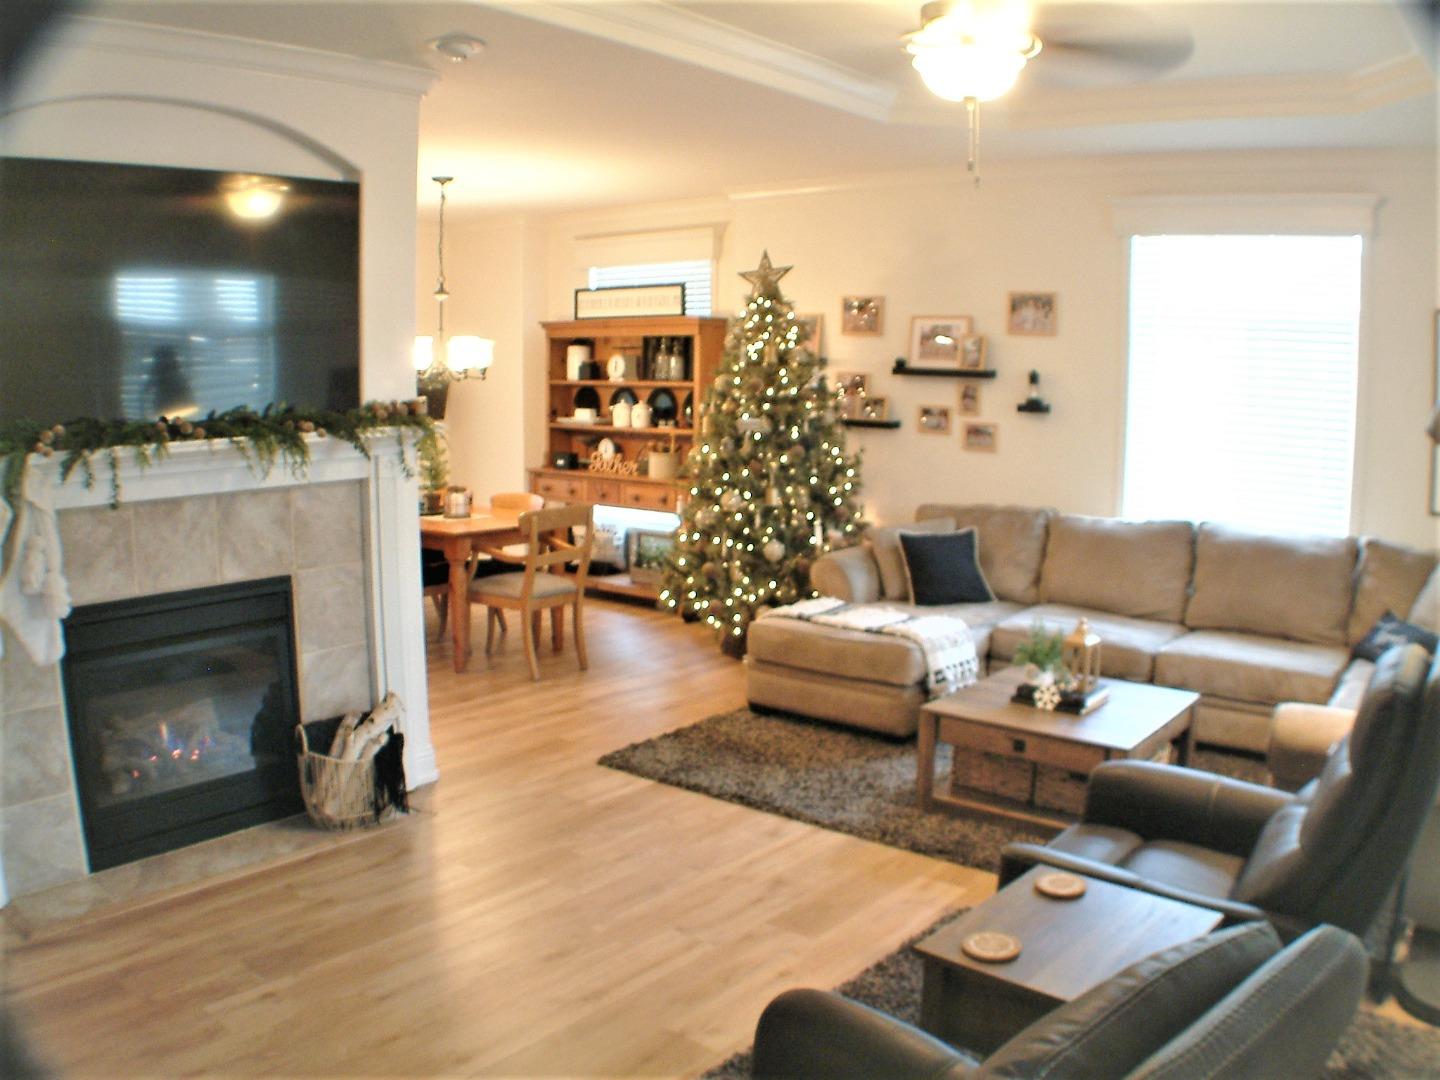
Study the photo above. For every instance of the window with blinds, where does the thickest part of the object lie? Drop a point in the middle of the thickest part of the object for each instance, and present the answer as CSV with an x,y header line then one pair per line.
x,y
1242,380
697,274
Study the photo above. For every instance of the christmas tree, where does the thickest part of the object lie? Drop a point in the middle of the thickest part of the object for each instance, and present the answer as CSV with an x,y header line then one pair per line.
x,y
771,486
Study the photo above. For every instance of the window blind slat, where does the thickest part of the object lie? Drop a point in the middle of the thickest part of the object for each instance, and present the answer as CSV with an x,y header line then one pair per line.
x,y
1243,368
697,274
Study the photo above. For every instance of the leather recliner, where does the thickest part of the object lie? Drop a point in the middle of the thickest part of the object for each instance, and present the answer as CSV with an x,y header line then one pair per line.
x,y
1331,853
1230,1004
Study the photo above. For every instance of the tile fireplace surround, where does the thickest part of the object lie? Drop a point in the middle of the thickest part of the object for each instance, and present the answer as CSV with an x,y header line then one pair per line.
x,y
346,534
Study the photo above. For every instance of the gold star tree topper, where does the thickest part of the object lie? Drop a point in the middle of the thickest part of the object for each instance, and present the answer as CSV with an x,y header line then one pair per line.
x,y
766,278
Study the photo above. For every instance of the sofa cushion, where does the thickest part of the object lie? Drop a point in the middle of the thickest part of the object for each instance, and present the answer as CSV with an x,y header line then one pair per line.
x,y
1127,646
882,658
943,568
1389,579
884,544
1135,568
1426,609
1293,587
1250,667
1012,544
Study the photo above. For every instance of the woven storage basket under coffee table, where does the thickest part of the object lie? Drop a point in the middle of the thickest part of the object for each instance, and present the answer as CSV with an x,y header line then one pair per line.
x,y
1020,761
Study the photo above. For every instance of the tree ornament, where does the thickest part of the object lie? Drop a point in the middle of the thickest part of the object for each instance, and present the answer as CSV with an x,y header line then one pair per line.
x,y
732,500
774,551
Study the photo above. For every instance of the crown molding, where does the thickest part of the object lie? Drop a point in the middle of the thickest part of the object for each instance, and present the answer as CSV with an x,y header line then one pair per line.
x,y
661,28
241,54
1260,97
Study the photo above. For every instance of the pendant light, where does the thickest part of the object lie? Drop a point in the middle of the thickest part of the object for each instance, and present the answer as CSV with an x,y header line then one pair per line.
x,y
439,360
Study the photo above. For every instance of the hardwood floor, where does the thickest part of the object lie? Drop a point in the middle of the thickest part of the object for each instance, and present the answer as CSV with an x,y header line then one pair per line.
x,y
542,916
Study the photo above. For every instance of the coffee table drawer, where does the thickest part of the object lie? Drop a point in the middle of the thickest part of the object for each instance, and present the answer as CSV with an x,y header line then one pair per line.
x,y
1034,748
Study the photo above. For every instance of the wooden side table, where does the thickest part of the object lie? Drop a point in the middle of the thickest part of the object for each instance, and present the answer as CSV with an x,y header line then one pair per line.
x,y
1067,948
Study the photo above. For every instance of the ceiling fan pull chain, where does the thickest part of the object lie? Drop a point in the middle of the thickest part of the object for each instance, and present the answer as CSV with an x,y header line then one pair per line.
x,y
972,110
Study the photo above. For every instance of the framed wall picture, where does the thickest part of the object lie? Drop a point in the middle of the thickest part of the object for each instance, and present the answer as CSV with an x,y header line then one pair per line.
x,y
812,332
935,339
970,399
1032,313
980,437
873,408
935,419
606,303
850,391
646,551
862,315
973,351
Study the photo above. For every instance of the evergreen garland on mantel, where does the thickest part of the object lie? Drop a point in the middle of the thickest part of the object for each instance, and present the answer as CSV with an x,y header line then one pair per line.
x,y
276,434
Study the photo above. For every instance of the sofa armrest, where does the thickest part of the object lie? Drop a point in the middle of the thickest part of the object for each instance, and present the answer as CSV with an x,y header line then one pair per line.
x,y
1166,802
815,1033
849,573
1301,735
1017,857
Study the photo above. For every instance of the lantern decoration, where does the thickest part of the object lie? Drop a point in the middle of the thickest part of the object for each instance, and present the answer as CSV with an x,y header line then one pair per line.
x,y
1081,653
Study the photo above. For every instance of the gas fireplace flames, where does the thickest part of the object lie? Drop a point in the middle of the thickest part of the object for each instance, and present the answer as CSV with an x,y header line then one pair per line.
x,y
160,749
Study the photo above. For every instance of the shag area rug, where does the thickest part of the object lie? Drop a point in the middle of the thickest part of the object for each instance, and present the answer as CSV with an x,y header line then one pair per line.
x,y
1374,1046
848,781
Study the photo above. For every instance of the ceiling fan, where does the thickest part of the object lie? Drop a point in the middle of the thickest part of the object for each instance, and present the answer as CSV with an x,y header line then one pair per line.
x,y
974,50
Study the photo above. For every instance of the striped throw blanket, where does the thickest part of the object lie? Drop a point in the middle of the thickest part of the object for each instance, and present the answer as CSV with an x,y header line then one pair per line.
x,y
944,641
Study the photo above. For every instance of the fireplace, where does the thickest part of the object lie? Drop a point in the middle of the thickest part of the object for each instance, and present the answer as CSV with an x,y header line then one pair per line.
x,y
181,708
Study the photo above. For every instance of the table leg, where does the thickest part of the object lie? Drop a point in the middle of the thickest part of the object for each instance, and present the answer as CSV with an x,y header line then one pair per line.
x,y
1187,741
459,610
925,760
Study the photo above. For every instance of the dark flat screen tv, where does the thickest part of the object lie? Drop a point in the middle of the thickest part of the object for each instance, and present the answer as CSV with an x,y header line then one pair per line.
x,y
131,292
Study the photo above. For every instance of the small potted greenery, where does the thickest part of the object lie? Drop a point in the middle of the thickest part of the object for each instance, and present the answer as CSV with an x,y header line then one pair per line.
x,y
434,478
1042,653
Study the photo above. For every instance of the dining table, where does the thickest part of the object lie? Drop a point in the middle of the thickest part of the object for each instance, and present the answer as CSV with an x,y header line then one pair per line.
x,y
458,539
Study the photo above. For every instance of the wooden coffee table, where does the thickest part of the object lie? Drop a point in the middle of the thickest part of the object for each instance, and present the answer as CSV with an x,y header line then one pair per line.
x,y
1067,948
1137,721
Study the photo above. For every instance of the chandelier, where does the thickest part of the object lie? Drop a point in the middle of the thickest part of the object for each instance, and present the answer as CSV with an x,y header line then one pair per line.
x,y
972,51
439,360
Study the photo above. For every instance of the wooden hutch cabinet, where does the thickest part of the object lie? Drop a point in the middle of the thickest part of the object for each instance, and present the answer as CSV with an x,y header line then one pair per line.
x,y
674,399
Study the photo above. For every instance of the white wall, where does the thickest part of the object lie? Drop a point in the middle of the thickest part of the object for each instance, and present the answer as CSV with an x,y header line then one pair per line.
x,y
495,274
116,92
935,245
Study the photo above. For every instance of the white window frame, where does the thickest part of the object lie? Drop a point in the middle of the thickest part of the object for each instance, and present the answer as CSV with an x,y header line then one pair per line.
x,y
1346,214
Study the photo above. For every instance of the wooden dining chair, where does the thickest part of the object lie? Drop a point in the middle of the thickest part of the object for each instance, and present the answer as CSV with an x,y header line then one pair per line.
x,y
435,571
543,583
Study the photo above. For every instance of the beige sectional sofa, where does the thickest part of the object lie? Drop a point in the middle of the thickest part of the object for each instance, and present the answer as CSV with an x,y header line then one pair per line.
x,y
1247,620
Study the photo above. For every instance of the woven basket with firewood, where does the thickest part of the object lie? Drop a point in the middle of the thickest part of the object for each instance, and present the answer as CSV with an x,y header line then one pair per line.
x,y
358,778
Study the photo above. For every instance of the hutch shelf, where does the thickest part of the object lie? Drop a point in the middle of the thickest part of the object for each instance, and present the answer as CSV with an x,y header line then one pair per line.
x,y
699,341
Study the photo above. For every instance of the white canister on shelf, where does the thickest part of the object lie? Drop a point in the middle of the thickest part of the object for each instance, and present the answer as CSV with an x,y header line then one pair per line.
x,y
640,415
576,356
620,414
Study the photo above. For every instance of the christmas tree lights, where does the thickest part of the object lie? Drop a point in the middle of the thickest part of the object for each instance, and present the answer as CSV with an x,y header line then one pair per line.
x,y
771,485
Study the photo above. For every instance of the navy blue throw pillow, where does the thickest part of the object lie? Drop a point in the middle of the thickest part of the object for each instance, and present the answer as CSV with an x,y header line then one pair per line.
x,y
944,568
1391,630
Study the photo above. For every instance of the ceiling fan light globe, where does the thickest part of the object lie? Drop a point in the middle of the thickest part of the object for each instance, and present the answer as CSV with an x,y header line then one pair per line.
x,y
968,70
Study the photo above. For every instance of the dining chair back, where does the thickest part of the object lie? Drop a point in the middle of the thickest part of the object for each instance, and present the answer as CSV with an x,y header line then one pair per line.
x,y
435,571
545,582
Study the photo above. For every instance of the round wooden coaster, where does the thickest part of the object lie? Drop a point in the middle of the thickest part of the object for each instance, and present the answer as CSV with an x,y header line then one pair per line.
x,y
990,947
1060,886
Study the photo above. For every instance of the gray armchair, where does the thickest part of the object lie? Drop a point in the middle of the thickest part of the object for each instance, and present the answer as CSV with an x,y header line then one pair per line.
x,y
1331,853
1231,1004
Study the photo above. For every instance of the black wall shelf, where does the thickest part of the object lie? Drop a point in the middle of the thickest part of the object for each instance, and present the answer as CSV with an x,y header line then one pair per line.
x,y
947,373
856,421
1033,407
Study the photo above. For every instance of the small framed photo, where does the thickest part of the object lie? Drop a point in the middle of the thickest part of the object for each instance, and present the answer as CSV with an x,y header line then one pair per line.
x,y
935,339
973,350
812,333
852,383
646,550
862,315
970,400
980,437
1032,313
935,419
873,408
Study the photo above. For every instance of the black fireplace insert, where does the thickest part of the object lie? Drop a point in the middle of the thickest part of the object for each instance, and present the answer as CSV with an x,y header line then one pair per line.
x,y
182,708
